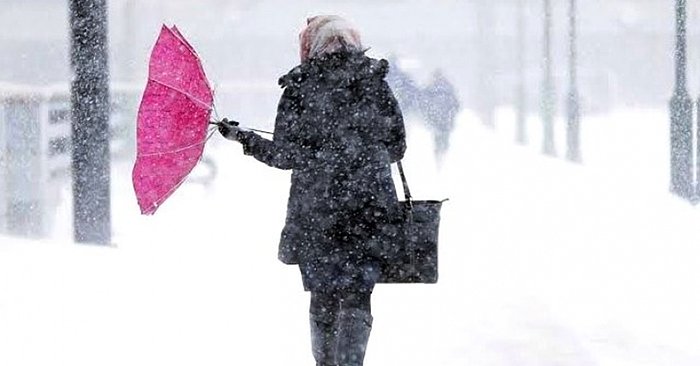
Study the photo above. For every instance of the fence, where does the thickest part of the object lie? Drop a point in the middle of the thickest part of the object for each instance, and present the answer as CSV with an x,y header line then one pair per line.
x,y
35,145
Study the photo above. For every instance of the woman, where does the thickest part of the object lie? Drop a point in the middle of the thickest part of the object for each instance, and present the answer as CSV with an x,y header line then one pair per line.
x,y
338,128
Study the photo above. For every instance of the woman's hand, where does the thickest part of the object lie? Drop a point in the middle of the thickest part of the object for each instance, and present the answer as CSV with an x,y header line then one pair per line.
x,y
230,129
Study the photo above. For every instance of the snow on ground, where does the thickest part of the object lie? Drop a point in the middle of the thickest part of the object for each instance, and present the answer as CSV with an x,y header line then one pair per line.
x,y
542,262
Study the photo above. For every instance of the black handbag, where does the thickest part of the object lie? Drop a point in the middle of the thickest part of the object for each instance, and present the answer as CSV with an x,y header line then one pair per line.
x,y
414,257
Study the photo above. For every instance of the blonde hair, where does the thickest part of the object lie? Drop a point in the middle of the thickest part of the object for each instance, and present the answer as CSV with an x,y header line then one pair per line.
x,y
327,34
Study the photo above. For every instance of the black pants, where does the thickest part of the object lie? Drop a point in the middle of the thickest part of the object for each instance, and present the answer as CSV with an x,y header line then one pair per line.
x,y
340,327
340,310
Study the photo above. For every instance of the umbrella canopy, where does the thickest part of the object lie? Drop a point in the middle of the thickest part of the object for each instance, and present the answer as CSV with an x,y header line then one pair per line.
x,y
172,120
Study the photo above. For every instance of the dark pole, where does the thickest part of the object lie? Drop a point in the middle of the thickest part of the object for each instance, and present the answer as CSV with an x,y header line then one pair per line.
x,y
90,121
681,109
696,198
520,98
547,84
573,151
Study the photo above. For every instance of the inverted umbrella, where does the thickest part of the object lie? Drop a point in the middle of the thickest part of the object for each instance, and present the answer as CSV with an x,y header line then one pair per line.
x,y
172,121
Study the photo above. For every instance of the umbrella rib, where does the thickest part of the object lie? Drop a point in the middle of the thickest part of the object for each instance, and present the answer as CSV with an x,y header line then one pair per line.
x,y
167,194
179,149
176,32
188,95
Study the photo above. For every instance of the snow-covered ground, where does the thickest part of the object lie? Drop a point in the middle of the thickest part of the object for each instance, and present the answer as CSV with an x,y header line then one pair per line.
x,y
542,262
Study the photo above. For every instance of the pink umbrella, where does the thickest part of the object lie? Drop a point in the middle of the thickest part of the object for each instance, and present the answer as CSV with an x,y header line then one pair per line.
x,y
172,121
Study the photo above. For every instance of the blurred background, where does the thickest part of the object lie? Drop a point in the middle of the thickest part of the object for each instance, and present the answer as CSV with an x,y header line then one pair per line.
x,y
519,56
564,133
256,42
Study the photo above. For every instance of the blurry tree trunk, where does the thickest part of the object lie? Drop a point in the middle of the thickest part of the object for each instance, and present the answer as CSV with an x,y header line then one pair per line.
x,y
547,84
485,62
90,121
520,97
573,151
681,109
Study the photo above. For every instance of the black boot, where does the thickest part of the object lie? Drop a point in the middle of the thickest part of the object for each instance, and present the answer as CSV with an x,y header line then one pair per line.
x,y
354,326
324,335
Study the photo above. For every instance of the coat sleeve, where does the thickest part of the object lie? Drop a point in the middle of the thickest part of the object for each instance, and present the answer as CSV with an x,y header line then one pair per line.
x,y
395,139
283,151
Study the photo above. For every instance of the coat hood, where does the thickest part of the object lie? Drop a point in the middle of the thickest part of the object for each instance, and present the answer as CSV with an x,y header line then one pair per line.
x,y
341,68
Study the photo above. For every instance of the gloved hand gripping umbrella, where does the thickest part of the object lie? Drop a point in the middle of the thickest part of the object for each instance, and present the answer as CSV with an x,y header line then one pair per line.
x,y
173,120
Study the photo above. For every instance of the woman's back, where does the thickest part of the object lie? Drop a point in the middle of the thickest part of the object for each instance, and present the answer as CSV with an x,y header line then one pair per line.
x,y
338,127
343,108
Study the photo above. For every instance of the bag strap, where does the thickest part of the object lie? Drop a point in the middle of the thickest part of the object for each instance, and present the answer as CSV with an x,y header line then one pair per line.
x,y
409,245
406,191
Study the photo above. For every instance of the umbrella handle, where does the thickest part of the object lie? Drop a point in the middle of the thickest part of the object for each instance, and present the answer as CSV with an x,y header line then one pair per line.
x,y
235,123
225,120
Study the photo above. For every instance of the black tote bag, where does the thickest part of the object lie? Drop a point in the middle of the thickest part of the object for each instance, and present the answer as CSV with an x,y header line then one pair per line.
x,y
414,251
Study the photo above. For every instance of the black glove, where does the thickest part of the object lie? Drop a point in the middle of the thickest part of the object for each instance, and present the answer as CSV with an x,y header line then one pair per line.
x,y
229,129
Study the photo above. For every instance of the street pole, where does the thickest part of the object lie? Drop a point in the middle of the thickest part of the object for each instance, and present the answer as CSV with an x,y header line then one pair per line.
x,y
90,121
573,151
547,84
520,97
696,197
681,110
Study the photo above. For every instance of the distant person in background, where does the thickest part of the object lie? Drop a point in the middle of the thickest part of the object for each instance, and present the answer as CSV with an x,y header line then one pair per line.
x,y
439,105
407,92
338,128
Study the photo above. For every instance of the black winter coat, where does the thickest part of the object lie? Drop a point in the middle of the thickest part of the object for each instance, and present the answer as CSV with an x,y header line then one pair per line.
x,y
338,127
